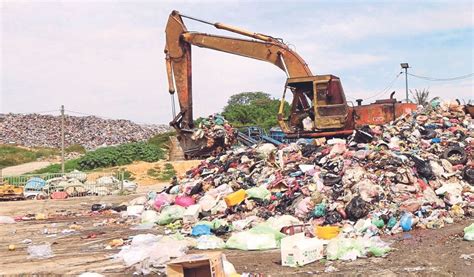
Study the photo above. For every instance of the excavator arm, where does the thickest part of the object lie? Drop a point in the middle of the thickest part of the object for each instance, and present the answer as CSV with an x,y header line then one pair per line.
x,y
178,58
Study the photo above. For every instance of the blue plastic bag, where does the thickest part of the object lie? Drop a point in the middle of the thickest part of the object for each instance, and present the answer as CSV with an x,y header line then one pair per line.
x,y
200,230
406,221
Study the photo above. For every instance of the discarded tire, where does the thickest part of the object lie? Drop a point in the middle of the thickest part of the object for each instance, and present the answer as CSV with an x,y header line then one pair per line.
x,y
455,155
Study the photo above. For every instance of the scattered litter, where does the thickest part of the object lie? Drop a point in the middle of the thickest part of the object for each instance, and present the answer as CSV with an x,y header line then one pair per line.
x,y
40,251
6,219
469,232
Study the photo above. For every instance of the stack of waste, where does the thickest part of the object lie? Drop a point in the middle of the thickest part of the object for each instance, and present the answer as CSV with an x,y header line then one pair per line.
x,y
36,130
74,184
217,131
416,172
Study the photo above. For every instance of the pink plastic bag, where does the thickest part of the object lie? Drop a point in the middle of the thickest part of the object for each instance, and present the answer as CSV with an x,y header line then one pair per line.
x,y
161,200
184,201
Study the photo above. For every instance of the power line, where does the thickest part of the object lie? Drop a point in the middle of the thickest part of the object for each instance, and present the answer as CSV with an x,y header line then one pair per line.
x,y
40,112
388,87
81,113
442,79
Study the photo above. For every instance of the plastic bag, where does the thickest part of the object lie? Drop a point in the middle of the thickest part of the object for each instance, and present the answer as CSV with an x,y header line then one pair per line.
x,y
41,251
6,219
345,249
161,200
207,202
149,216
319,210
170,214
209,242
135,210
406,221
259,193
469,232
357,208
265,228
250,241
156,250
200,230
184,201
350,249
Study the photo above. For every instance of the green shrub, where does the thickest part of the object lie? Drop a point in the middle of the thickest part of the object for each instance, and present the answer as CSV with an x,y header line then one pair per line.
x,y
121,155
56,168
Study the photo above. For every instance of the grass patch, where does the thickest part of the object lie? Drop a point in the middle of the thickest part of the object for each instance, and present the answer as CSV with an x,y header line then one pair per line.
x,y
162,140
56,168
162,174
13,155
75,148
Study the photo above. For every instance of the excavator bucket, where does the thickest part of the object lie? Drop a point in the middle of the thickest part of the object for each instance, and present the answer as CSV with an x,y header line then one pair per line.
x,y
198,147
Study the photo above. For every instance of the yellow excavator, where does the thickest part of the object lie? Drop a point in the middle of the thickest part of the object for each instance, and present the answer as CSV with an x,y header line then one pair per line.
x,y
318,107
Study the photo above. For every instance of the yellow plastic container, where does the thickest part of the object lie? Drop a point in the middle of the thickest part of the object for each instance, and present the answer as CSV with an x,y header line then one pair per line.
x,y
235,198
327,232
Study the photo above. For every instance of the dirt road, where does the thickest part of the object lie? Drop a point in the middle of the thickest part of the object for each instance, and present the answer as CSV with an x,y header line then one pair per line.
x,y
417,253
24,168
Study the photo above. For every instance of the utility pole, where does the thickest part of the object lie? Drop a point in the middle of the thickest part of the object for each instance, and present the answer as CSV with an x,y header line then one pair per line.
x,y
406,66
62,139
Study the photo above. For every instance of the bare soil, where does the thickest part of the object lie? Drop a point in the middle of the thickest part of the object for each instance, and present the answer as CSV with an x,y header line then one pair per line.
x,y
417,253
24,168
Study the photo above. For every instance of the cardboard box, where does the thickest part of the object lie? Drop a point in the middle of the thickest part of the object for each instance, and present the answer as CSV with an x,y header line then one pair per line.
x,y
191,215
298,250
197,265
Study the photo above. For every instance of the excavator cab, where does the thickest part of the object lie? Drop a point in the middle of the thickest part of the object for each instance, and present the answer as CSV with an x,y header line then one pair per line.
x,y
318,104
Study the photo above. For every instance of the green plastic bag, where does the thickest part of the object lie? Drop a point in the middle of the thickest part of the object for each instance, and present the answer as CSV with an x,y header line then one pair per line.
x,y
344,249
215,224
251,241
469,232
260,237
259,193
265,228
170,214
320,210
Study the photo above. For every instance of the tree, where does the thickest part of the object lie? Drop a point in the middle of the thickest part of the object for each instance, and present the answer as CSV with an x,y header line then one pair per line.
x,y
245,98
253,109
420,97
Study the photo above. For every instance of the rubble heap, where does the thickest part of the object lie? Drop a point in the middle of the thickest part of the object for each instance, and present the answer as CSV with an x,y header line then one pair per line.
x,y
35,130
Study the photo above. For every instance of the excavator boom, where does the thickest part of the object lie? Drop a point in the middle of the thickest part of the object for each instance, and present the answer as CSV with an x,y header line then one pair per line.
x,y
319,107
178,56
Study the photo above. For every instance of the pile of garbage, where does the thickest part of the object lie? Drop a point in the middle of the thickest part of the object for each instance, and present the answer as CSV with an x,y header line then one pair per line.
x,y
75,184
217,132
35,130
416,172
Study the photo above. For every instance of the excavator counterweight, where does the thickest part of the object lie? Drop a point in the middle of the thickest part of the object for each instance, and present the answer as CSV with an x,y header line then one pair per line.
x,y
318,108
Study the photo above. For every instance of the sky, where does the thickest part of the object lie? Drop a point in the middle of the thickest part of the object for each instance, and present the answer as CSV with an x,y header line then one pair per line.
x,y
106,57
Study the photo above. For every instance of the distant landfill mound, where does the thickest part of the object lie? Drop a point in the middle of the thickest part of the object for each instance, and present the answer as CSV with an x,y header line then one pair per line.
x,y
35,130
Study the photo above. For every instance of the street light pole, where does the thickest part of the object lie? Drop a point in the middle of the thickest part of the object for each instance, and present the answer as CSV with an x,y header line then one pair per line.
x,y
406,66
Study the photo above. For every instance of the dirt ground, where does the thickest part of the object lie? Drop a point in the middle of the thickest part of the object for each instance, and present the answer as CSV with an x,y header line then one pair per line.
x,y
24,168
139,170
417,253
